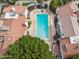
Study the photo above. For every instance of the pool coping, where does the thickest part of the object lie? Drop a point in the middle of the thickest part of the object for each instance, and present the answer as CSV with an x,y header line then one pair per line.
x,y
33,18
36,25
46,39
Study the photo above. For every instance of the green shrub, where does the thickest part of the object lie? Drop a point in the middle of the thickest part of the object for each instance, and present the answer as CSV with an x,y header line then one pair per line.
x,y
54,4
25,4
28,47
74,57
12,2
29,24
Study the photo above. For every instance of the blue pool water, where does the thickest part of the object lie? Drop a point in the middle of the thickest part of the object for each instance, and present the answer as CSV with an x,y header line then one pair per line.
x,y
42,25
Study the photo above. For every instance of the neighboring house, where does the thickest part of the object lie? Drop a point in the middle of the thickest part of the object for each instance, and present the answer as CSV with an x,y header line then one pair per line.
x,y
11,25
68,28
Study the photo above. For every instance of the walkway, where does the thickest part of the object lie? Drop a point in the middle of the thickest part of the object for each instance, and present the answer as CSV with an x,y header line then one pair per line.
x,y
57,52
51,28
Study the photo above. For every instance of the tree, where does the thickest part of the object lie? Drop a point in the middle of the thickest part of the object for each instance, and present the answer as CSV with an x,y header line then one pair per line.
x,y
74,57
11,1
40,1
54,4
8,1
29,47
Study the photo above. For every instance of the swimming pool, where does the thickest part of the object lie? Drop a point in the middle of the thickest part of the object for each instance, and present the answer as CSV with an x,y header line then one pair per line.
x,y
42,25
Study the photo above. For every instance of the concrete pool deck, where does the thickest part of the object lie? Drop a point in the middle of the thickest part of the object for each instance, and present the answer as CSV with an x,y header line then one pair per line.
x,y
51,26
34,21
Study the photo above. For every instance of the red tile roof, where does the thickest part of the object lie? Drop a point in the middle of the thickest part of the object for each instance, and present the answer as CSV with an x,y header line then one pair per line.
x,y
68,25
19,9
70,49
64,14
17,29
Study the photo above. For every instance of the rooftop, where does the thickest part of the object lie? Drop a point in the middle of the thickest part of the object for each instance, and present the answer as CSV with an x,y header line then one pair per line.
x,y
68,16
68,48
18,9
69,19
16,28
65,20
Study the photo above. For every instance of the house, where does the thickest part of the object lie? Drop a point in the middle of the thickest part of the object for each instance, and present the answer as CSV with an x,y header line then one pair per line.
x,y
67,48
11,26
68,28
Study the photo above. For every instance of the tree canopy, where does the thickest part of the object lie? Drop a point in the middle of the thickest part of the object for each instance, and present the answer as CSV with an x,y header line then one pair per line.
x,y
74,57
12,1
29,47
54,4
8,1
40,1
